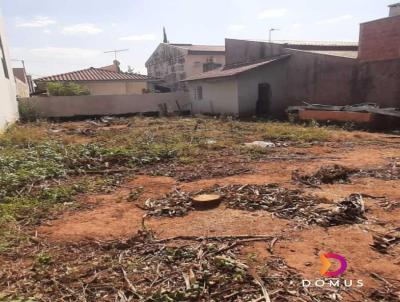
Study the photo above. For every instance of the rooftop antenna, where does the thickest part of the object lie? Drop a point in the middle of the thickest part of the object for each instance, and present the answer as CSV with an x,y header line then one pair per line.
x,y
115,51
270,33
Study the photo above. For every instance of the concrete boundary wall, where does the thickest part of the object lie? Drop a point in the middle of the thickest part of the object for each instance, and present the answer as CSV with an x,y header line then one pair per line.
x,y
69,106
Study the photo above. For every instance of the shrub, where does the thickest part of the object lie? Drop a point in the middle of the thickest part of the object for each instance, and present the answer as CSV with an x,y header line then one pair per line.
x,y
27,112
66,89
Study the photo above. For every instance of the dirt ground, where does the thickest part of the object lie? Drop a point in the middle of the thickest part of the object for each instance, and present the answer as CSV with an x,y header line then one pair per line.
x,y
113,216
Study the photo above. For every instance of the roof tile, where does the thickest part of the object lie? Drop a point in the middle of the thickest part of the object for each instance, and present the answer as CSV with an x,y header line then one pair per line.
x,y
93,74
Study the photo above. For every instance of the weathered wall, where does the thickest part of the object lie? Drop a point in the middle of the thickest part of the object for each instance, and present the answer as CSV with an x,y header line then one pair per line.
x,y
168,63
22,89
378,82
318,78
115,87
68,106
8,102
242,51
174,64
380,39
219,96
108,87
194,63
274,74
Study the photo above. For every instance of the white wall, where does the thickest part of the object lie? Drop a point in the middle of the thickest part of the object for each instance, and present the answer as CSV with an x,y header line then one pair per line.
x,y
219,96
8,102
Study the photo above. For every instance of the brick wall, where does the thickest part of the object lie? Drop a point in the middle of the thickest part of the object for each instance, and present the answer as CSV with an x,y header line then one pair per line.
x,y
380,39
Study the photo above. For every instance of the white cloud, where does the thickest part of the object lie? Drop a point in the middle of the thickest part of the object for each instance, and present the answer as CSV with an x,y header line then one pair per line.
x,y
336,19
64,53
38,21
47,31
273,13
236,27
296,25
82,28
144,37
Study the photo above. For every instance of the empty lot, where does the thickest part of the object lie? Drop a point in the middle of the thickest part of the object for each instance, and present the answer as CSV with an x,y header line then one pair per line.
x,y
101,210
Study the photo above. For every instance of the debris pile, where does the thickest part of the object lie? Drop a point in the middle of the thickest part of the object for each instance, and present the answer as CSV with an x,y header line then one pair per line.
x,y
383,242
91,127
282,202
145,270
176,203
349,211
327,174
389,172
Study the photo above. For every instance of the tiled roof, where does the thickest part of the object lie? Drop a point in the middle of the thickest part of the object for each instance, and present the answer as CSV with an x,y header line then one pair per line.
x,y
93,74
337,53
228,71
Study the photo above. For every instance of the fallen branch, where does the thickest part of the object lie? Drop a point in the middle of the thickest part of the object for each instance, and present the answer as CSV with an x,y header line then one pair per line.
x,y
202,238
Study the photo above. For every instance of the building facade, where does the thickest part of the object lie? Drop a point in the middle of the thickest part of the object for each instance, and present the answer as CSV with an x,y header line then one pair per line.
x,y
173,63
8,101
261,78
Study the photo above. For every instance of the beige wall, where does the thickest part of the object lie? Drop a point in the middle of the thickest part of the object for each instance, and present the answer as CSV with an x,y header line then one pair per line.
x,y
219,96
8,101
22,89
88,105
116,87
194,63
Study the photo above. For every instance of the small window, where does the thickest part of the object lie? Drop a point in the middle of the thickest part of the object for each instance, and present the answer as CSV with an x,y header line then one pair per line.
x,y
210,60
198,93
3,60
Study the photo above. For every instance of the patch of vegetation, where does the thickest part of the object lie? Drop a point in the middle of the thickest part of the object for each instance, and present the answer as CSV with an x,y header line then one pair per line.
x,y
27,112
287,131
66,89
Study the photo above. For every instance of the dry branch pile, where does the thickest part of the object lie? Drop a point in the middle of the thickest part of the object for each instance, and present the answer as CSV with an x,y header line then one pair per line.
x,y
147,270
327,174
283,203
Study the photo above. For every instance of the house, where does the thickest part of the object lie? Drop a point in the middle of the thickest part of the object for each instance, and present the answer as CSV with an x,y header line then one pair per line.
x,y
175,62
263,78
108,80
8,101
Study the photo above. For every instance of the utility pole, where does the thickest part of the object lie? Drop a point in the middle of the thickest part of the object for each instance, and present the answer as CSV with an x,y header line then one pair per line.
x,y
270,33
115,51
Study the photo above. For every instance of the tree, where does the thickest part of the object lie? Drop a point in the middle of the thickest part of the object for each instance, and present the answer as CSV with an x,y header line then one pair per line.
x,y
66,89
165,40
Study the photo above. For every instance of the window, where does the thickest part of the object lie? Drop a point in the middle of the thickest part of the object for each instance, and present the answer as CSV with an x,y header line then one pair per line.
x,y
210,66
3,60
198,93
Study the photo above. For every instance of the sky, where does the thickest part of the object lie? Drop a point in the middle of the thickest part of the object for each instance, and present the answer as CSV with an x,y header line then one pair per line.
x,y
57,36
